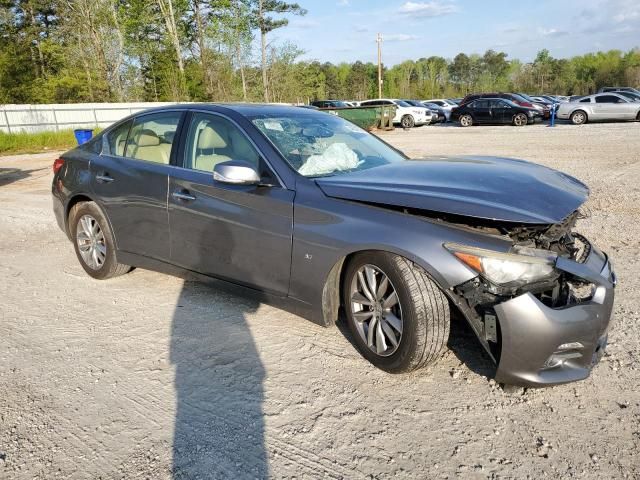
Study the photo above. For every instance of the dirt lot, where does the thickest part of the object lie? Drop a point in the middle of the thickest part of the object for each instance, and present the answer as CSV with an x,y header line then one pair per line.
x,y
151,376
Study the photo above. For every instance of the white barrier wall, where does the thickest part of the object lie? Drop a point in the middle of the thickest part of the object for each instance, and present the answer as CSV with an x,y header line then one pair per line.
x,y
37,118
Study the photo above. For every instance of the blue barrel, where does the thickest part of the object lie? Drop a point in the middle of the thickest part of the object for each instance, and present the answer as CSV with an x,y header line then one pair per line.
x,y
83,135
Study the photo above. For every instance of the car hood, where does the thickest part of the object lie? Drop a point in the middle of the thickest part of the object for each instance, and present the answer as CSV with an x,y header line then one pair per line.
x,y
491,188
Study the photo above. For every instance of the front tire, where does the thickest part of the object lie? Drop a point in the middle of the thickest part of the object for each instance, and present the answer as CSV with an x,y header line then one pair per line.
x,y
398,316
94,242
520,120
407,121
578,117
465,120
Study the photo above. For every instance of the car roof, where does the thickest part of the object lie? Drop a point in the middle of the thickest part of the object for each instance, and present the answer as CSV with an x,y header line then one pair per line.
x,y
244,109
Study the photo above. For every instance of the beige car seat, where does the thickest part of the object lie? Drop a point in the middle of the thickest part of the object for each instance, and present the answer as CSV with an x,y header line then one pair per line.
x,y
213,147
147,146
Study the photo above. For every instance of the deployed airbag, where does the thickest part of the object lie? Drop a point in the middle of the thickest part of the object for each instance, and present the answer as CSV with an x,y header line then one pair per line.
x,y
337,157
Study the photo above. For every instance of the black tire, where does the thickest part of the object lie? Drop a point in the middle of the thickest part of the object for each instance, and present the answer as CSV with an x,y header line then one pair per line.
x,y
579,117
520,120
465,120
110,267
638,117
407,121
425,312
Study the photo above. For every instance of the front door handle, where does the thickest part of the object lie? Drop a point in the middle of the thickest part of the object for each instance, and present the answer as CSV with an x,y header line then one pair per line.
x,y
104,178
182,195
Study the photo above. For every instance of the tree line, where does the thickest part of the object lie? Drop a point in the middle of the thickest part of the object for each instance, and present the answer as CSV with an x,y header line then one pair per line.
x,y
64,51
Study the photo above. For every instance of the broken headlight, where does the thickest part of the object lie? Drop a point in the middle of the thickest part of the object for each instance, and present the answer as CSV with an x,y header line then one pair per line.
x,y
523,266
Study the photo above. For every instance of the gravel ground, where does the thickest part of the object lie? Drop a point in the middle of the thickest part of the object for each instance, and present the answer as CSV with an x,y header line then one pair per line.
x,y
153,376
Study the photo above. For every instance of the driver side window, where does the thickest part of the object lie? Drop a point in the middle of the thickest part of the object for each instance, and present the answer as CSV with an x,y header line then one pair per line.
x,y
212,139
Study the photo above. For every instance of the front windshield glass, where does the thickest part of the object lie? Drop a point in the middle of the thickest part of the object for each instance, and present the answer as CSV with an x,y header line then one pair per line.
x,y
402,103
323,144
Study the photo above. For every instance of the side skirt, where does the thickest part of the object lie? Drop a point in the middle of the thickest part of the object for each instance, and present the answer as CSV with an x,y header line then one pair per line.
x,y
289,304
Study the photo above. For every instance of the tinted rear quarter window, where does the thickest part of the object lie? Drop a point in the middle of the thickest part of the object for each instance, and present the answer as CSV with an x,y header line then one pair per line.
x,y
118,138
608,99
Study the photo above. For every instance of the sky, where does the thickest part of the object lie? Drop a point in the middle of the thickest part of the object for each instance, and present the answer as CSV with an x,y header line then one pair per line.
x,y
345,30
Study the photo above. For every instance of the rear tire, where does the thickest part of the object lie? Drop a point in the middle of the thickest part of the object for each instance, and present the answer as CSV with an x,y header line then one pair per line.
x,y
94,242
465,120
520,120
421,311
579,117
407,121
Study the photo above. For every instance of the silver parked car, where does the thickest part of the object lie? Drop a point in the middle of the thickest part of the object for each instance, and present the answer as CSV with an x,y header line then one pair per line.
x,y
601,106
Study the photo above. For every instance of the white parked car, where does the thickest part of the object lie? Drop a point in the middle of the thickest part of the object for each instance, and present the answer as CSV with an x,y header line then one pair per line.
x,y
601,106
406,115
444,103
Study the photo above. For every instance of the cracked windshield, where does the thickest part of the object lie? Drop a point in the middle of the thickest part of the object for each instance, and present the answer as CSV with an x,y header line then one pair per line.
x,y
323,144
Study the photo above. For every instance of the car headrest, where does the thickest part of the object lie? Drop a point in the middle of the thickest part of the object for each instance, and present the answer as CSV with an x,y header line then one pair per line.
x,y
169,136
148,138
213,138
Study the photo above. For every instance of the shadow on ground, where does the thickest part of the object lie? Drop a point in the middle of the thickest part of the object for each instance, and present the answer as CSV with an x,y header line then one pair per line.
x,y
219,426
466,346
10,175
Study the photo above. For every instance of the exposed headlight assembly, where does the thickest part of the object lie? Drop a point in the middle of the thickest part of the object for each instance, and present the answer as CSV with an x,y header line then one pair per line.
x,y
523,266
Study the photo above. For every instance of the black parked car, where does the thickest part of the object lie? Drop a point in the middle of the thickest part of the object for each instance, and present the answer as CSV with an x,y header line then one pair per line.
x,y
496,111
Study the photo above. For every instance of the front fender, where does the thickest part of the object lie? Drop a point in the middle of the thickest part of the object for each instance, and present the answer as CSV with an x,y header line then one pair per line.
x,y
326,230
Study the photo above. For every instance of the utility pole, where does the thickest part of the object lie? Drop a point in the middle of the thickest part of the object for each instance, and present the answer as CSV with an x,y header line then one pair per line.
x,y
379,42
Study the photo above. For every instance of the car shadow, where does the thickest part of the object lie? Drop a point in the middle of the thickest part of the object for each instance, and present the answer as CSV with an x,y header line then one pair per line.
x,y
462,342
466,347
11,175
219,425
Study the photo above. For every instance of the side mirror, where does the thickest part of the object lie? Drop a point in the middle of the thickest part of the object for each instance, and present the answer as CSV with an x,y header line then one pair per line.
x,y
236,172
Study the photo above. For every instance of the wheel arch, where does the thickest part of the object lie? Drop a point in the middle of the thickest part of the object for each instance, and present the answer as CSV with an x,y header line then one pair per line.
x,y
332,289
81,198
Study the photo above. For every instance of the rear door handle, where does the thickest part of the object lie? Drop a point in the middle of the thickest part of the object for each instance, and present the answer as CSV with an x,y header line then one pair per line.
x,y
183,195
104,178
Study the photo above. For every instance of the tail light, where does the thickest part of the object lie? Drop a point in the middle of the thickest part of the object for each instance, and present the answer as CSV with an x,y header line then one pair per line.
x,y
57,165
526,104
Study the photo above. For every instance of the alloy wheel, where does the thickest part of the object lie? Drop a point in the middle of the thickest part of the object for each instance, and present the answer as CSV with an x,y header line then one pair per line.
x,y
376,310
465,120
407,121
91,242
578,118
520,120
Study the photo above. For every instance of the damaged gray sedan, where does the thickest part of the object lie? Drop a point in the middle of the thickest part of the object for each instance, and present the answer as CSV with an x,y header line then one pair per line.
x,y
322,217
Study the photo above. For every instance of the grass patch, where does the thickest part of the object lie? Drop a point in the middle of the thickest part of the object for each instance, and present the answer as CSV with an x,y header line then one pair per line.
x,y
27,142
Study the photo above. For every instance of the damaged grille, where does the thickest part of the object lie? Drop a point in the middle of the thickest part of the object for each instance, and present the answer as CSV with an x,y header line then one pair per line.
x,y
557,291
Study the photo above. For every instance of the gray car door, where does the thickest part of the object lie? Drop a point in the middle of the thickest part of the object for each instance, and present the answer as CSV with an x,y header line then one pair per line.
x,y
240,233
129,181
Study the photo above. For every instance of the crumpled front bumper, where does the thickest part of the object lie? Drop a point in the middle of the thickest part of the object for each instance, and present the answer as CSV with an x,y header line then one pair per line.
x,y
546,346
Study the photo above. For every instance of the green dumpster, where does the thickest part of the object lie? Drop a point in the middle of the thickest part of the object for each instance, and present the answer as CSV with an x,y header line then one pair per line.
x,y
365,117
